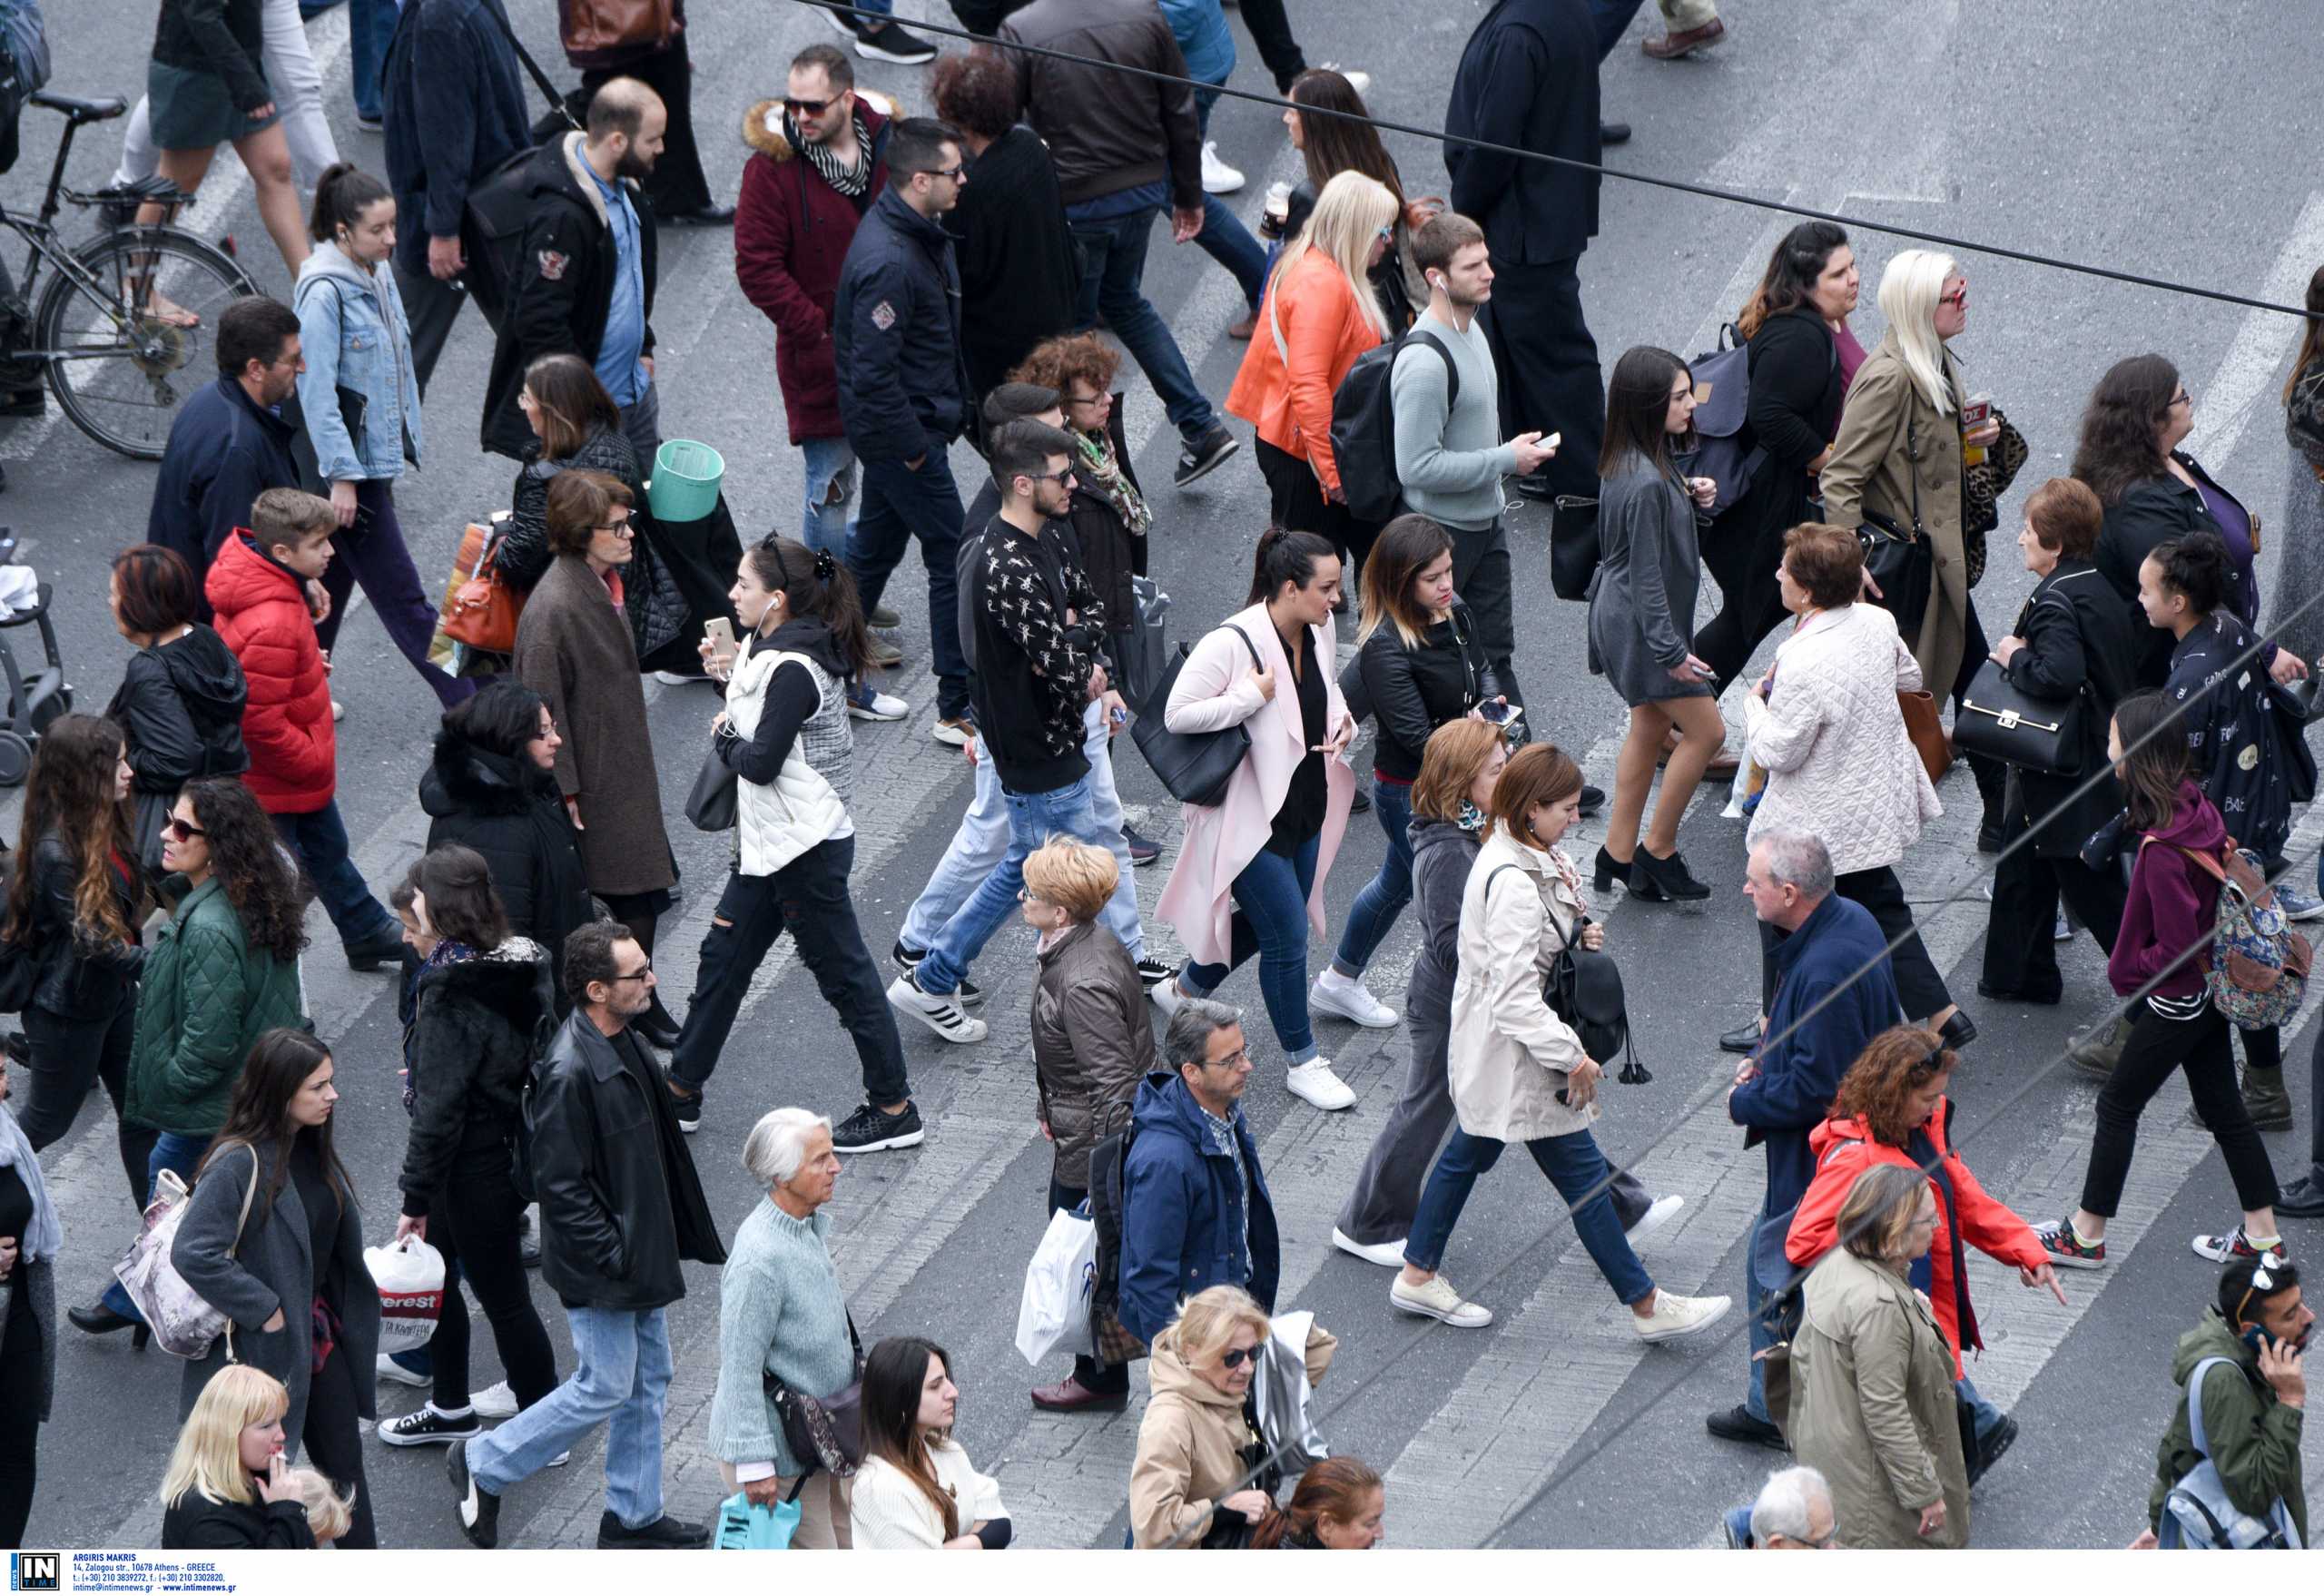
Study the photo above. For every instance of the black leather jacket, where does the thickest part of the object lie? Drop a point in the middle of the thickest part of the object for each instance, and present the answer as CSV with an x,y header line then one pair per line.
x,y
79,978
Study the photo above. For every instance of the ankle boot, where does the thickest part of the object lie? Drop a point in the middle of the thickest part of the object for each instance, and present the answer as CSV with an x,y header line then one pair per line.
x,y
1663,881
1606,870
2095,1052
2264,1098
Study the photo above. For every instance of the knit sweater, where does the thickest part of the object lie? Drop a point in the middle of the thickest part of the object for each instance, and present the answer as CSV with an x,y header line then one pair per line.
x,y
780,1312
1449,459
889,1514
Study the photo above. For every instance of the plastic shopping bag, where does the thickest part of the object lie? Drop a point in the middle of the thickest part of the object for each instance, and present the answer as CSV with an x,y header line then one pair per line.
x,y
1283,1396
743,1526
409,1275
1056,1309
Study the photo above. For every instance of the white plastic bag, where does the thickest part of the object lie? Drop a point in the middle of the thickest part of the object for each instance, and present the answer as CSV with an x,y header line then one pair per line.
x,y
409,1275
1283,1393
1057,1284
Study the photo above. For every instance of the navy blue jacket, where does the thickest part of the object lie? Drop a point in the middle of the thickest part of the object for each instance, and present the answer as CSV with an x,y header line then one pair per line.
x,y
1527,79
1182,1213
454,109
223,452
896,332
1799,1074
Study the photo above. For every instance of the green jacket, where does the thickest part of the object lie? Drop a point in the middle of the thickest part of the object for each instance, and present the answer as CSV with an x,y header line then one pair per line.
x,y
2254,1437
207,995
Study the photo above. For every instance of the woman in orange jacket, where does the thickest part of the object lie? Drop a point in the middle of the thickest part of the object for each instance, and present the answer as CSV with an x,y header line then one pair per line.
x,y
1892,1109
1319,313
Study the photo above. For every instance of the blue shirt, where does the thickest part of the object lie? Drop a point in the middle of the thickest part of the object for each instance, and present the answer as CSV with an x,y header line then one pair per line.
x,y
619,366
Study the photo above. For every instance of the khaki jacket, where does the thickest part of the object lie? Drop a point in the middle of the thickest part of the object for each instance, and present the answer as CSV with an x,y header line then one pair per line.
x,y
1189,1445
1873,468
1509,1052
1872,1405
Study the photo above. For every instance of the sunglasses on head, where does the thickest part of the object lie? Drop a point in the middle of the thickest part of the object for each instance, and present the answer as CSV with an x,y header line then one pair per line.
x,y
2263,1281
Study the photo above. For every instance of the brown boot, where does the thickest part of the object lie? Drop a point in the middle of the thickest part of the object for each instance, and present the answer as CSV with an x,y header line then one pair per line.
x,y
1670,47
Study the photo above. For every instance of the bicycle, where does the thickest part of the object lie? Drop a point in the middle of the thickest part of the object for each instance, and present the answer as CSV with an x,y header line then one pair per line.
x,y
119,369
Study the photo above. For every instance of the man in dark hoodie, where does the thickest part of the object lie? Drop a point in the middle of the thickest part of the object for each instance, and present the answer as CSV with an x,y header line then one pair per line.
x,y
2248,1351
229,443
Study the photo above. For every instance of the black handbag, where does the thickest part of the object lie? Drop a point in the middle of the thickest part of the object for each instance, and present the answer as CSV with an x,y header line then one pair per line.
x,y
1573,545
824,1432
1584,989
2003,721
713,803
1901,562
1195,766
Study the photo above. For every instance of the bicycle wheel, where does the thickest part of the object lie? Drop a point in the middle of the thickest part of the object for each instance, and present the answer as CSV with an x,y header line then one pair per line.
x,y
121,370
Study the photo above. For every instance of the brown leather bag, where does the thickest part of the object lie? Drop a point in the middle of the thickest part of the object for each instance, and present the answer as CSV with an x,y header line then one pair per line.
x,y
481,609
1926,731
597,33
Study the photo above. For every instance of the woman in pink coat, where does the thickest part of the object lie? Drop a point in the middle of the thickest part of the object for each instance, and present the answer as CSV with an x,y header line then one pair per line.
x,y
1250,871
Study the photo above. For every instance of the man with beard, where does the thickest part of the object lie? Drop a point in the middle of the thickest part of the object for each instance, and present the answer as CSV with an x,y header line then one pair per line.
x,y
584,281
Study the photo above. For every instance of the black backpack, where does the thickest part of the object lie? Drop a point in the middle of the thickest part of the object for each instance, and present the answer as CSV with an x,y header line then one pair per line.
x,y
500,205
1364,426
1584,989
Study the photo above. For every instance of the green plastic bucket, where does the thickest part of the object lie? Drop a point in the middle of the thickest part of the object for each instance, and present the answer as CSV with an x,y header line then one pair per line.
x,y
685,480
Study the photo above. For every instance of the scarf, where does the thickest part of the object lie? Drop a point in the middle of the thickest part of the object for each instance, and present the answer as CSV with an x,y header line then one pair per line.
x,y
1571,877
1104,473
447,952
43,1237
849,182
1470,819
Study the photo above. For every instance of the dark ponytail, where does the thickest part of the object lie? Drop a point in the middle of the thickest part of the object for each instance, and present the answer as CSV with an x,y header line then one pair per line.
x,y
2196,568
1285,556
342,195
814,585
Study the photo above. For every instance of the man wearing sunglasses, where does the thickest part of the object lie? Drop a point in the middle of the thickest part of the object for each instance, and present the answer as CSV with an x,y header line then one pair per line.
x,y
2249,1348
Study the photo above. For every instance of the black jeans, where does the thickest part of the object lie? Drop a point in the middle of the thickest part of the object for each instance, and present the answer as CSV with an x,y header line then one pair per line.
x,y
333,1444
1548,365
1743,562
433,306
20,1381
2157,1047
2316,1111
809,899
1093,1376
2019,957
1271,31
1295,500
677,182
1918,984
1482,576
67,1056
474,1222
901,504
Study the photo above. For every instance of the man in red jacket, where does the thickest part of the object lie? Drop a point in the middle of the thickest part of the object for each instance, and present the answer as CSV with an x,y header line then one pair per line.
x,y
260,587
818,164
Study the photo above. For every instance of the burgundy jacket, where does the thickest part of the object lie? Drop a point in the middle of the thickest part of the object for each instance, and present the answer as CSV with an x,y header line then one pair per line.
x,y
2172,903
792,230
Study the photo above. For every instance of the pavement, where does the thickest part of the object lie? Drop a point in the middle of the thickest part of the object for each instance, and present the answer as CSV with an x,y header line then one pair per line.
x,y
2084,129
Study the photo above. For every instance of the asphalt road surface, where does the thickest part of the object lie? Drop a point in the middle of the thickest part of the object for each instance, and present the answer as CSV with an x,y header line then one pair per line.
x,y
2084,129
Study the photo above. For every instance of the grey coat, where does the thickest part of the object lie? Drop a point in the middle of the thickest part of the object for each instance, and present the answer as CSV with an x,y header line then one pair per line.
x,y
273,1268
574,650
1643,600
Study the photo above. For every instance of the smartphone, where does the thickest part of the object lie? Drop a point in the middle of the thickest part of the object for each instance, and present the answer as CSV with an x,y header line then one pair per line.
x,y
720,634
1501,714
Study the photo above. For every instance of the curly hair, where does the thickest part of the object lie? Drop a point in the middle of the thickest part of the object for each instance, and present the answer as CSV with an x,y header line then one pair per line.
x,y
976,93
1893,1065
1060,363
247,859
70,792
2117,450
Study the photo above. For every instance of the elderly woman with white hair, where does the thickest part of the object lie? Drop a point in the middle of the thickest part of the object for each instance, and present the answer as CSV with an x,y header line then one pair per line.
x,y
782,1313
1897,462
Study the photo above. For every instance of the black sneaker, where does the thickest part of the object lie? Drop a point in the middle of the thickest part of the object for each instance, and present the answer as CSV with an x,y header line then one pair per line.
x,y
382,948
1736,1424
1205,455
480,1508
968,994
1153,973
890,41
424,1427
1990,1449
1143,851
1593,799
664,1534
872,1130
688,1105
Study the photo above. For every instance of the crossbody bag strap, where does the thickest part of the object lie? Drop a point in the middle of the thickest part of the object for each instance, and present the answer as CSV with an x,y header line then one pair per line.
x,y
549,91
233,1251
1257,663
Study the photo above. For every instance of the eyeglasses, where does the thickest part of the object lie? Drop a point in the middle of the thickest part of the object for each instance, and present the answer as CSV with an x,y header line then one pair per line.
x,y
806,107
2183,398
1085,399
618,528
1388,233
956,174
640,973
184,831
1930,1062
1239,1055
1062,479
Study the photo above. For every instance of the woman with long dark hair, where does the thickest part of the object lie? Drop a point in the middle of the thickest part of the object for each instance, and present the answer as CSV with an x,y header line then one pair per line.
x,y
1801,358
784,734
223,971
299,1300
1642,615
1331,143
182,695
492,787
917,1490
73,906
2159,959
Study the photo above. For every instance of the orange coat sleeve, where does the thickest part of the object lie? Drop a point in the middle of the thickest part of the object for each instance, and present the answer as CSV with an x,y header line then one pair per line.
x,y
1322,338
1816,1224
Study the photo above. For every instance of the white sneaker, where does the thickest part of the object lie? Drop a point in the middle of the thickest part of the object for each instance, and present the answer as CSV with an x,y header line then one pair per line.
x,y
677,678
1388,1255
954,734
1655,1218
494,1401
1437,1300
1166,995
559,1461
1675,1316
943,1015
388,1369
1217,177
1334,993
1313,1081
879,706
1361,82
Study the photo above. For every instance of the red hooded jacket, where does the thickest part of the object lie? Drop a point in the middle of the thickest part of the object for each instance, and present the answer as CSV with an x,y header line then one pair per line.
x,y
1844,1149
263,616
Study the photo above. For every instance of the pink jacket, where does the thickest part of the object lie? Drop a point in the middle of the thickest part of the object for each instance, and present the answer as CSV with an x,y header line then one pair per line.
x,y
1215,691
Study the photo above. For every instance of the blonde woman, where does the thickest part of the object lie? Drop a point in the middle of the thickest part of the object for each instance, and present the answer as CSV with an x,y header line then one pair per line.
x,y
1318,315
1200,1433
228,1484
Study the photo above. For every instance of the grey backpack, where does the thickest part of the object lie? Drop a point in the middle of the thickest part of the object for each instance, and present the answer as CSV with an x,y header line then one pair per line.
x,y
2197,1515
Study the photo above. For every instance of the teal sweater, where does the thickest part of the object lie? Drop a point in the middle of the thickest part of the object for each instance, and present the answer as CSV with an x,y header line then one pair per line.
x,y
780,1312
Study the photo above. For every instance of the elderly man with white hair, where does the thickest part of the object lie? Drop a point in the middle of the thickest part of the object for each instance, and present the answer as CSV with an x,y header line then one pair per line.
x,y
1794,1513
781,1312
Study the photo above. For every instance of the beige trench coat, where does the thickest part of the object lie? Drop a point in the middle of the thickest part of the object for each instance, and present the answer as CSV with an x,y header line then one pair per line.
x,y
1509,1053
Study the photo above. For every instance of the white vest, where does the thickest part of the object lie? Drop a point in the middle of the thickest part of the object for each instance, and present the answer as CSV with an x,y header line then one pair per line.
x,y
775,823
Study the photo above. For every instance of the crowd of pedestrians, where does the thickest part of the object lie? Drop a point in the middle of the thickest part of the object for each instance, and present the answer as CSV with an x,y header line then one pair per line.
x,y
931,278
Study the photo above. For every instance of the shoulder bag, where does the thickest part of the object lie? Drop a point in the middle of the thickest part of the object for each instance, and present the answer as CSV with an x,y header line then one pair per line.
x,y
824,1432
183,1324
714,802
1901,562
1981,485
1573,545
2002,721
1195,766
2198,1513
482,609
1584,989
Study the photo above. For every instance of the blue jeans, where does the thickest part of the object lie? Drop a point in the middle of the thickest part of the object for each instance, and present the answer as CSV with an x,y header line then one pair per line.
x,y
622,1375
320,840
1738,1521
1989,1417
1574,1166
1762,1334
831,494
1033,818
371,23
172,1151
1384,895
1270,920
1113,232
1223,238
900,505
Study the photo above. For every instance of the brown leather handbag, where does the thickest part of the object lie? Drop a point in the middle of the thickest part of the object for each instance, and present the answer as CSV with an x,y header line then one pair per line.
x,y
594,31
1927,730
481,609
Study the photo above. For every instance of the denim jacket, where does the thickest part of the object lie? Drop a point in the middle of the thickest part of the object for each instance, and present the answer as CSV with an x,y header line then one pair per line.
x,y
353,333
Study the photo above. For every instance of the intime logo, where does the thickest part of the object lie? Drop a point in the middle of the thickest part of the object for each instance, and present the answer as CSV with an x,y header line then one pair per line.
x,y
35,1571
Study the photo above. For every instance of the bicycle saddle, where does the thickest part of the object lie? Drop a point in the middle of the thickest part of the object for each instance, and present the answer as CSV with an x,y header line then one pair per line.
x,y
81,110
